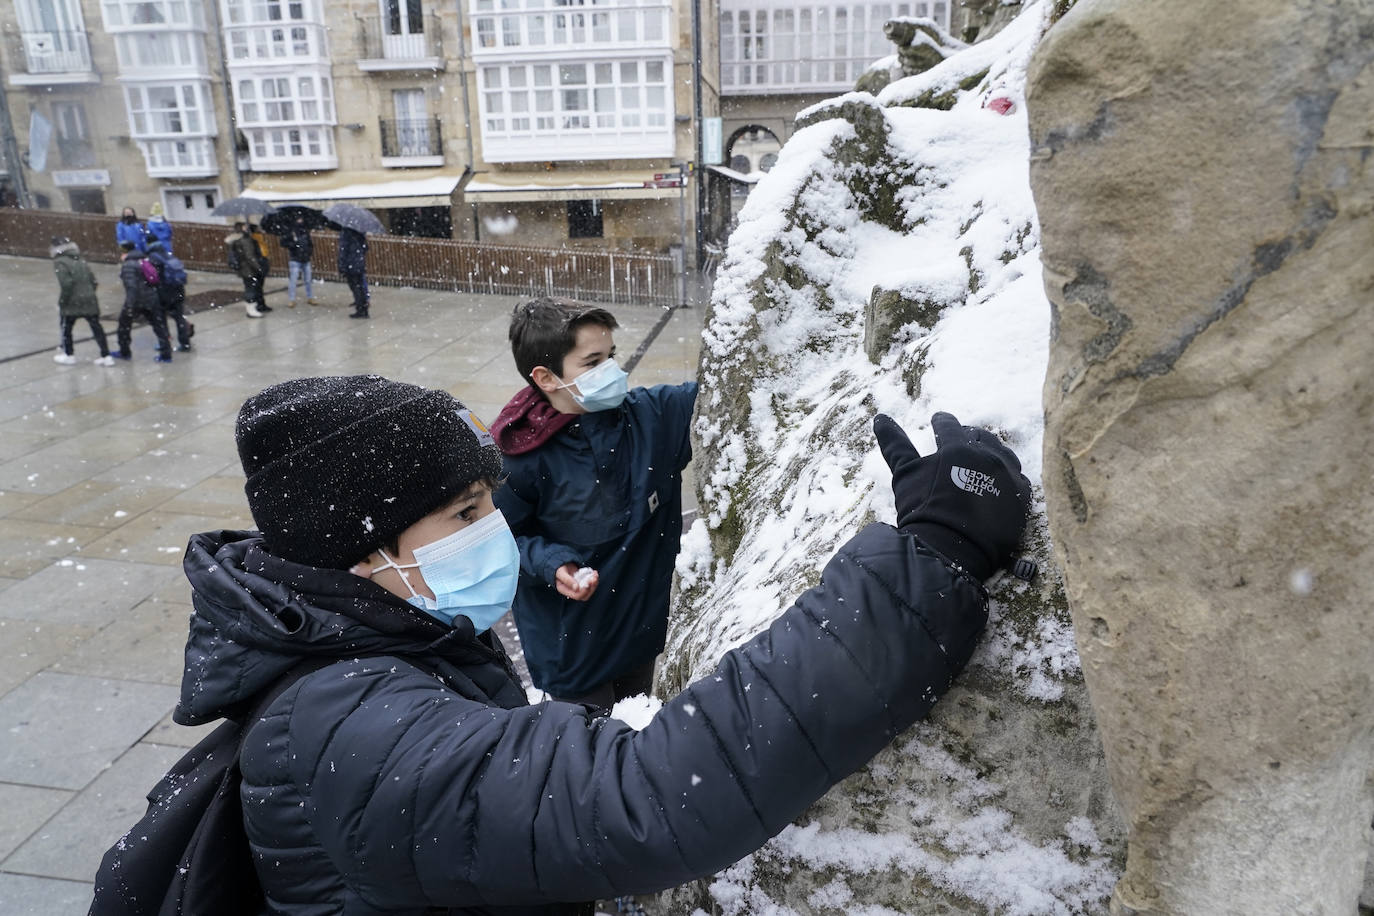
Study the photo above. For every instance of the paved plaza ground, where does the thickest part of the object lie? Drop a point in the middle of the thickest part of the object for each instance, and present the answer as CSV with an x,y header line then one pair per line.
x,y
105,472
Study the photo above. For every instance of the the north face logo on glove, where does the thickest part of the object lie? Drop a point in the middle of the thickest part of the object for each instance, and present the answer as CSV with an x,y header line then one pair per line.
x,y
975,482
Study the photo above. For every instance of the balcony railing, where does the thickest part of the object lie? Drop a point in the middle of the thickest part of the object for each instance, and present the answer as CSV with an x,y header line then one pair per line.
x,y
54,53
419,141
391,44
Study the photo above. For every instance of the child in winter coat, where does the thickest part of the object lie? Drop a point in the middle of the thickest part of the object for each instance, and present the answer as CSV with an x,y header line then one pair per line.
x,y
594,495
247,259
141,300
129,229
171,290
404,772
76,299
158,227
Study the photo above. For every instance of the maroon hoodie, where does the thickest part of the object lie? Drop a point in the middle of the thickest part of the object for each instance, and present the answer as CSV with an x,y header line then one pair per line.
x,y
527,422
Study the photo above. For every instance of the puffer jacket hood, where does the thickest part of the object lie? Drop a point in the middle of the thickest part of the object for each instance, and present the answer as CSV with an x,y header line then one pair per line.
x,y
68,248
257,615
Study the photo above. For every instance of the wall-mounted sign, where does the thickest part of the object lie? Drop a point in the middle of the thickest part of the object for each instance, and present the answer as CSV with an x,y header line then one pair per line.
x,y
81,178
712,147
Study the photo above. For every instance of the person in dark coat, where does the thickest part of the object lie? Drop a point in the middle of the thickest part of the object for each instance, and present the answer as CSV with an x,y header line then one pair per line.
x,y
300,248
141,300
248,261
594,483
408,775
129,229
171,292
353,266
76,299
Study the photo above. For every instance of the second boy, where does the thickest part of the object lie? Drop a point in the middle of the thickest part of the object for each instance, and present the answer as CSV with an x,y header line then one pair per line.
x,y
594,497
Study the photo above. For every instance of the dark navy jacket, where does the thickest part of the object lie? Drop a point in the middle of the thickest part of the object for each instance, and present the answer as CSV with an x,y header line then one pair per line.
x,y
604,492
375,785
352,252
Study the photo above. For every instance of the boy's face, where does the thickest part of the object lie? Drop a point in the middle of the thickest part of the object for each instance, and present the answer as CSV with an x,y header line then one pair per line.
x,y
593,345
470,506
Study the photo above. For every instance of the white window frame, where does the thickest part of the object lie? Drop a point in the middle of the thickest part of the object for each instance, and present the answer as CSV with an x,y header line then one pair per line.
x,y
519,28
121,15
171,191
792,46
193,112
598,108
281,97
187,51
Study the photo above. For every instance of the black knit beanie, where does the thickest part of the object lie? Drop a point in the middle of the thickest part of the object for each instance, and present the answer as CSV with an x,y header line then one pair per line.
x,y
339,466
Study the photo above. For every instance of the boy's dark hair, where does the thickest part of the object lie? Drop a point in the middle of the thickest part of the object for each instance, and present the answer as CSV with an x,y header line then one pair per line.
x,y
126,246
543,331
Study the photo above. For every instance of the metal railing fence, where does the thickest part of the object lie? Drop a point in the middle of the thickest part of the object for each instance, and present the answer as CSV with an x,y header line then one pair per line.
x,y
592,274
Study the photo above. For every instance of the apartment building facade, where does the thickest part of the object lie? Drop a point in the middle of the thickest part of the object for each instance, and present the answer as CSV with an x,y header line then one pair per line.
x,y
778,57
116,104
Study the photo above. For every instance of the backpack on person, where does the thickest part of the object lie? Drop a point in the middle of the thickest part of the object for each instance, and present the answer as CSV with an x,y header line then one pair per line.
x,y
173,271
149,271
189,854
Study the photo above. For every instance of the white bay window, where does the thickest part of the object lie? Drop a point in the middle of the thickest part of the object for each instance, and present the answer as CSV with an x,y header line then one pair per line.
x,y
594,108
288,120
779,46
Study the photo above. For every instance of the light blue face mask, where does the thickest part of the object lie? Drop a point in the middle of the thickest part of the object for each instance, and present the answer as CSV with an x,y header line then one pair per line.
x,y
472,572
601,387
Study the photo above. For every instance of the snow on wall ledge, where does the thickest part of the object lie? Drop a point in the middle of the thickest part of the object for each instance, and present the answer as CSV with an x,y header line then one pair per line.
x,y
890,262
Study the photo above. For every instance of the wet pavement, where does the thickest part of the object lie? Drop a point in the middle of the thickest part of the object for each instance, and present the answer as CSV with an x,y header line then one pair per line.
x,y
105,472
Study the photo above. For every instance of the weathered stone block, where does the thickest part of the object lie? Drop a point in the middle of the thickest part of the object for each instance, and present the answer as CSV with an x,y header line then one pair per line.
x,y
1203,178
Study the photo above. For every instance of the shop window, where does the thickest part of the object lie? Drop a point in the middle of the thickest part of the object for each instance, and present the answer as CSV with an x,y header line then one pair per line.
x,y
584,219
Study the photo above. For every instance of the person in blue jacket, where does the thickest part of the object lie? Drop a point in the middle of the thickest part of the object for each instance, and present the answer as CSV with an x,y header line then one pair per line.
x,y
129,229
158,227
406,774
594,495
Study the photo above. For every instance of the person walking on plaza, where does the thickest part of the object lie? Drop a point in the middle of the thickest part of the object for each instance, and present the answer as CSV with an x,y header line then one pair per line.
x,y
353,266
159,228
76,299
140,300
246,259
299,250
129,229
171,290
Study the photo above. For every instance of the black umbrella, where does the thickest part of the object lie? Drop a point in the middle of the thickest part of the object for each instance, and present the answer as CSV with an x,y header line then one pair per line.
x,y
285,218
351,216
243,206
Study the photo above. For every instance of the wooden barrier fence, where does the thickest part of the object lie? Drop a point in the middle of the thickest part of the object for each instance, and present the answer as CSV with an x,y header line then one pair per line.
x,y
591,274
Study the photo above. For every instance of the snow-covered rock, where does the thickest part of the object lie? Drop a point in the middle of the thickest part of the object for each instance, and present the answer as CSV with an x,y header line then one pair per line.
x,y
890,262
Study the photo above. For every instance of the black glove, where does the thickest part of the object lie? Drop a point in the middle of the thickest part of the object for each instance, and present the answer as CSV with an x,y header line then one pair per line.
x,y
969,501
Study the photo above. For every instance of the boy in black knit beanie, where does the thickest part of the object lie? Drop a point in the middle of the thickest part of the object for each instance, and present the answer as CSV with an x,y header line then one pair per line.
x,y
406,772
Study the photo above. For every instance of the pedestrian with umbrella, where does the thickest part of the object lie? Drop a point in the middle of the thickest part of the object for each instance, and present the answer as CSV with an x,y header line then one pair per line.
x,y
246,259
293,226
354,223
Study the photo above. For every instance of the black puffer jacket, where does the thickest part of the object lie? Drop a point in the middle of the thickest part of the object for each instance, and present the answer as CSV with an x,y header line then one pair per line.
x,y
137,291
372,787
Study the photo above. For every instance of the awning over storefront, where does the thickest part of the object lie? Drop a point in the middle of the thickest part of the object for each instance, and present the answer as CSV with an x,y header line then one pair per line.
x,y
736,176
377,188
561,184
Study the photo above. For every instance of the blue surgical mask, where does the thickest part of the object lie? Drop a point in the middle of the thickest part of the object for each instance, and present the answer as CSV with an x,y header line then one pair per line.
x,y
472,572
601,387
